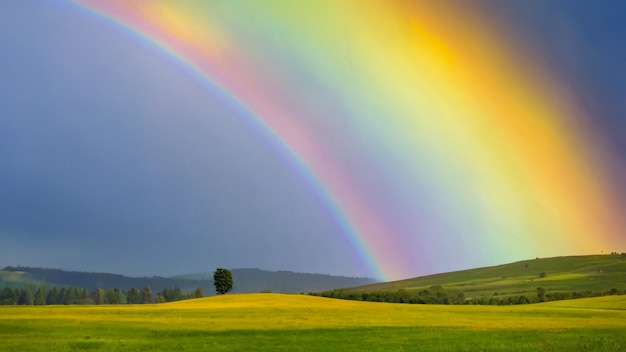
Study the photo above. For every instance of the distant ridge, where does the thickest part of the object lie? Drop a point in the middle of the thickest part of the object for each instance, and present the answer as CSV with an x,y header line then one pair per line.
x,y
245,280
257,280
27,276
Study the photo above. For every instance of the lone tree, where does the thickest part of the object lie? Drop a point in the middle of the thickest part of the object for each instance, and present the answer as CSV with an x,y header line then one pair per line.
x,y
223,280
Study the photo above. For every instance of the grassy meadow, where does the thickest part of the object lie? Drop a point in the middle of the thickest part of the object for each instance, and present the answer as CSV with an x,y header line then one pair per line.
x,y
275,322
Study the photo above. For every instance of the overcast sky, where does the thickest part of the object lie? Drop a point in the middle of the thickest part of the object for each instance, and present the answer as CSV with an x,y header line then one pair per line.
x,y
84,186
114,158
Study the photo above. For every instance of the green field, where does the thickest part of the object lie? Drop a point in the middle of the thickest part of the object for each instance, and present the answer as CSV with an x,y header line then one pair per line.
x,y
562,274
275,322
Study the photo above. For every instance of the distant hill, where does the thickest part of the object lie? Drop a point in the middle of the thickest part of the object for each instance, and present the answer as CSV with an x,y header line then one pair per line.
x,y
25,276
559,274
256,280
245,280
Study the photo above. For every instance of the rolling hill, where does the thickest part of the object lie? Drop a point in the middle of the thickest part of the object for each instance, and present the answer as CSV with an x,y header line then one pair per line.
x,y
283,322
559,274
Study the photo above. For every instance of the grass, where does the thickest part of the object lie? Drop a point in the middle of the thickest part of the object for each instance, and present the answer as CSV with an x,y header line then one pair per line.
x,y
276,322
563,274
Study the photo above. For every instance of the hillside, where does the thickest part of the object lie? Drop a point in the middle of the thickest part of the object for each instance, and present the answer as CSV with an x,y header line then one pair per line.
x,y
245,280
559,274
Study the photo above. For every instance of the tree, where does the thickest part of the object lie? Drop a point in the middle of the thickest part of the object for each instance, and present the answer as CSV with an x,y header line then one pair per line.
x,y
84,296
172,294
133,296
40,296
541,294
28,297
223,280
110,296
160,298
121,297
53,296
114,296
146,295
99,296
7,297
62,296
71,295
198,293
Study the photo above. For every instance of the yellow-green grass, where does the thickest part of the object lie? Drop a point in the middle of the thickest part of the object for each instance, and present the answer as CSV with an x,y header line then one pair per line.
x,y
303,323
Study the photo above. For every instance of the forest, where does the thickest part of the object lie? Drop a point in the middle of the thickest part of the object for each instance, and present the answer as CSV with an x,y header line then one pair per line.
x,y
439,295
79,295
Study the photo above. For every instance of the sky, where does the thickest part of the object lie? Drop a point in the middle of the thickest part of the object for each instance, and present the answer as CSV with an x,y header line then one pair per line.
x,y
387,139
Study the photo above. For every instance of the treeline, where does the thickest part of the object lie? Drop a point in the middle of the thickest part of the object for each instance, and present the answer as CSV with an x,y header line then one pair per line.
x,y
80,295
541,296
434,295
439,295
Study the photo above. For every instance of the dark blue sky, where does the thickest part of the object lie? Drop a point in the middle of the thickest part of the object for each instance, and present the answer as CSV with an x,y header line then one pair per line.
x,y
583,42
115,158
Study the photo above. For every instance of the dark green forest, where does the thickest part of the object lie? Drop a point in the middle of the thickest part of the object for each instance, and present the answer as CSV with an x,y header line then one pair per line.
x,y
438,295
79,295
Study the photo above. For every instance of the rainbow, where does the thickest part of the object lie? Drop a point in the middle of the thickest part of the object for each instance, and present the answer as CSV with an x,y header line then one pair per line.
x,y
431,135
